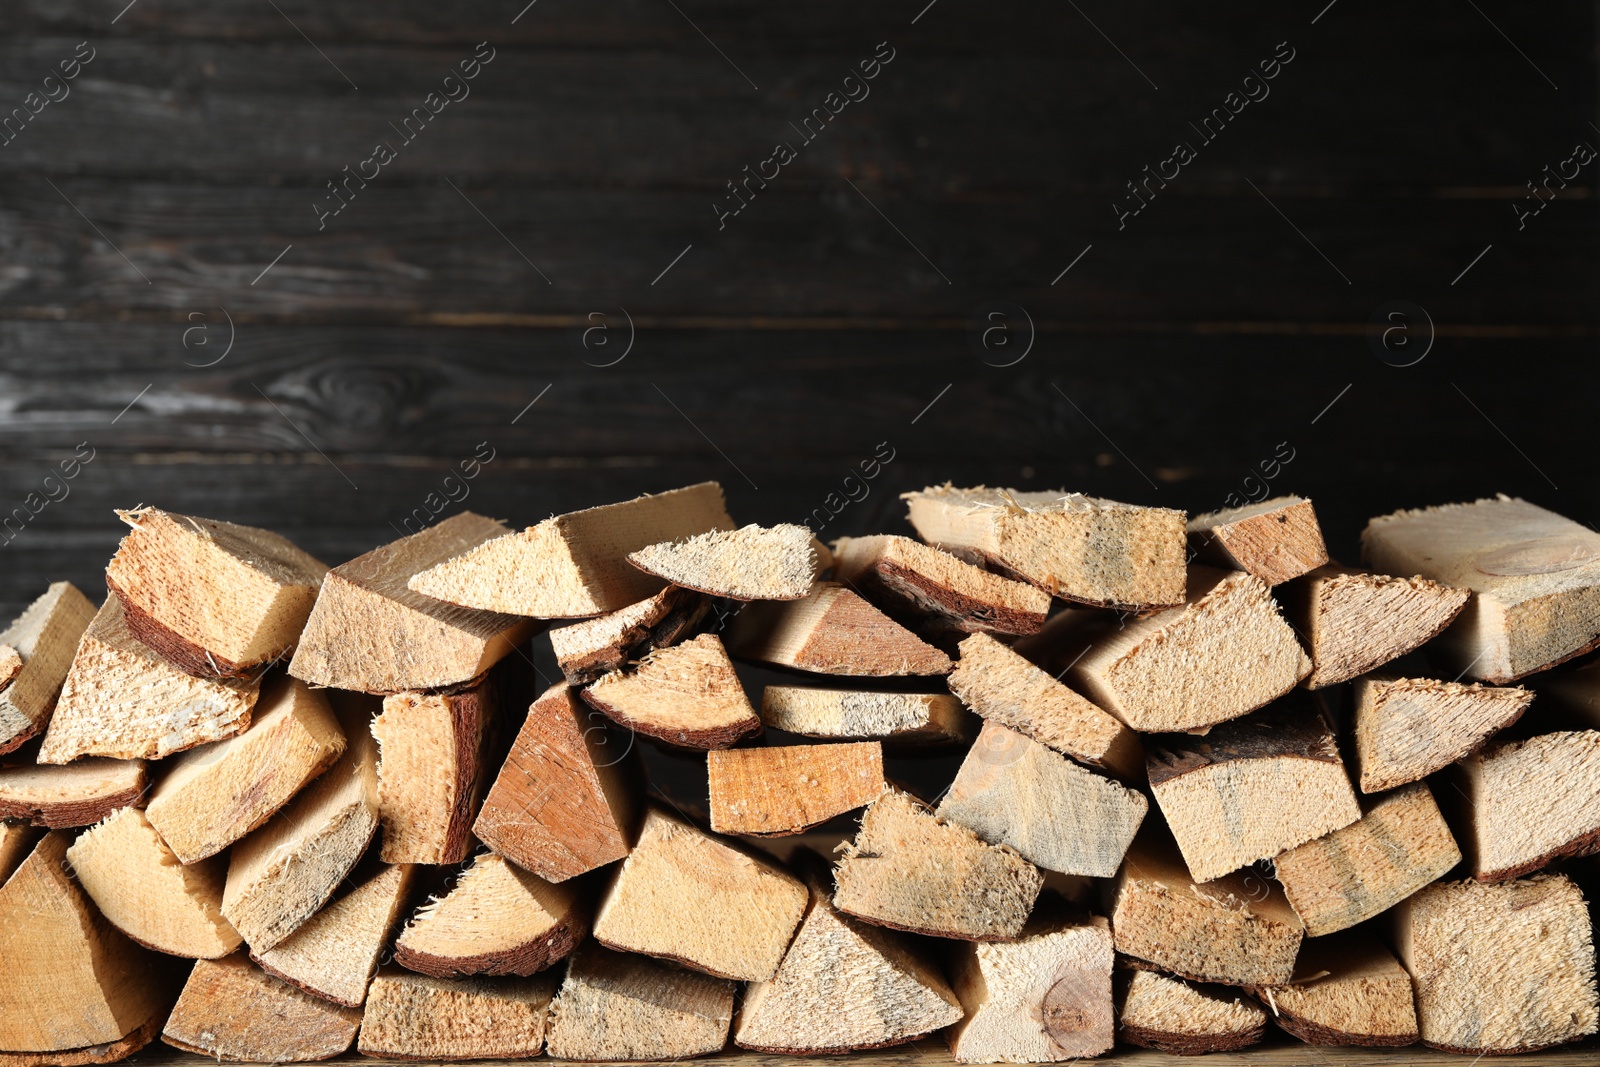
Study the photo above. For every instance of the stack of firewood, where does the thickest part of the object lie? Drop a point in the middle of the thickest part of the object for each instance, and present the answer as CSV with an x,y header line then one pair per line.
x,y
1208,781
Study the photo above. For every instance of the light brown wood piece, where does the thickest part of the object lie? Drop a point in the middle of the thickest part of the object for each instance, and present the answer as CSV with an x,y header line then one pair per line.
x,y
896,719
335,953
1504,967
45,637
214,598
831,631
1275,540
122,700
1534,575
1400,844
613,1007
1354,621
1073,546
1181,1018
588,649
687,695
1348,990
574,565
418,1017
910,870
213,795
107,1052
787,789
750,563
1407,728
79,794
1531,802
369,632
232,1010
10,664
16,842
907,577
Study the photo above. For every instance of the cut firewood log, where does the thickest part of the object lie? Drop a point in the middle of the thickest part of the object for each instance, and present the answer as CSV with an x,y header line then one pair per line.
x,y
335,953
122,700
79,794
496,919
1182,1018
1011,790
1400,844
687,695
1073,546
1499,968
900,719
214,598
10,665
16,842
418,1017
1354,621
1531,802
371,633
232,1010
282,873
831,631
138,884
574,565
788,789
1348,990
911,870
617,1007
588,649
213,795
45,637
909,579
1534,575
1252,787
750,563
564,802
687,896
1275,540
1407,728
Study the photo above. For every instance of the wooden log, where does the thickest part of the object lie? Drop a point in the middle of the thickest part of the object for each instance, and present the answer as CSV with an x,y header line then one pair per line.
x,y
1498,968
614,1007
1534,575
1400,844
1408,728
910,580
831,631
574,565
1275,540
496,919
143,889
687,695
1354,621
588,649
1252,787
1531,802
45,637
1348,990
10,665
787,789
1072,546
232,1010
750,563
564,801
213,795
79,794
1011,790
214,598
907,720
16,842
418,1017
122,700
110,1052
910,870
1181,1018
335,953
370,632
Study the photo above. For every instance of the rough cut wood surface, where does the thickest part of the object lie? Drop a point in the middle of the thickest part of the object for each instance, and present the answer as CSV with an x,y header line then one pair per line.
x,y
1275,540
232,1010
617,1007
750,563
1354,621
1531,802
911,580
16,842
417,1017
1182,1018
687,695
79,794
45,637
1407,728
588,649
787,789
831,631
904,720
1349,990
1073,546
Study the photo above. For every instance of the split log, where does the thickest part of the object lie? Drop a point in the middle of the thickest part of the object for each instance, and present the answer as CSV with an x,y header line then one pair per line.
x,y
831,631
687,695
615,1007
214,598
574,565
10,664
44,637
79,794
232,1010
1408,728
1498,968
1348,990
788,789
1013,791
1275,540
588,649
1354,621
335,953
417,1017
1072,546
138,884
910,870
1531,802
496,919
1535,578
750,563
370,632
898,719
16,842
913,581
1180,1018
1400,844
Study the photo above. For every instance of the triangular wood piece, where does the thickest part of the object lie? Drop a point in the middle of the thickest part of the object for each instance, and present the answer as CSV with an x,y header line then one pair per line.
x,y
447,1020
79,794
1531,802
908,720
1183,1018
16,842
574,565
786,789
1407,728
1348,990
588,649
335,954
750,563
45,637
616,1007
687,695
832,631
232,1010
1354,621
1275,540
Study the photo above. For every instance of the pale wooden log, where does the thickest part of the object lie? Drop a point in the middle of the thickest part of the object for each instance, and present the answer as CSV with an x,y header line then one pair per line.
x,y
1167,1013
687,695
369,632
909,579
896,719
1531,802
418,1017
574,565
1348,990
45,637
614,1007
1013,791
1275,540
1073,546
750,563
1400,844
122,700
79,794
588,649
565,801
1407,728
788,789
1354,621
138,884
1504,967
16,842
214,598
232,1010
1534,575
832,631
335,953
1252,787
212,796
910,870
109,1052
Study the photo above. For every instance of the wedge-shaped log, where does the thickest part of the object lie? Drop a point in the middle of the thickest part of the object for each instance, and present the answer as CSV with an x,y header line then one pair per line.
x,y
687,695
790,788
1182,1018
44,637
1407,728
1348,990
588,649
1531,802
911,580
1275,540
1354,621
232,1010
900,719
335,953
750,563
614,1007
417,1017
79,794
832,631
